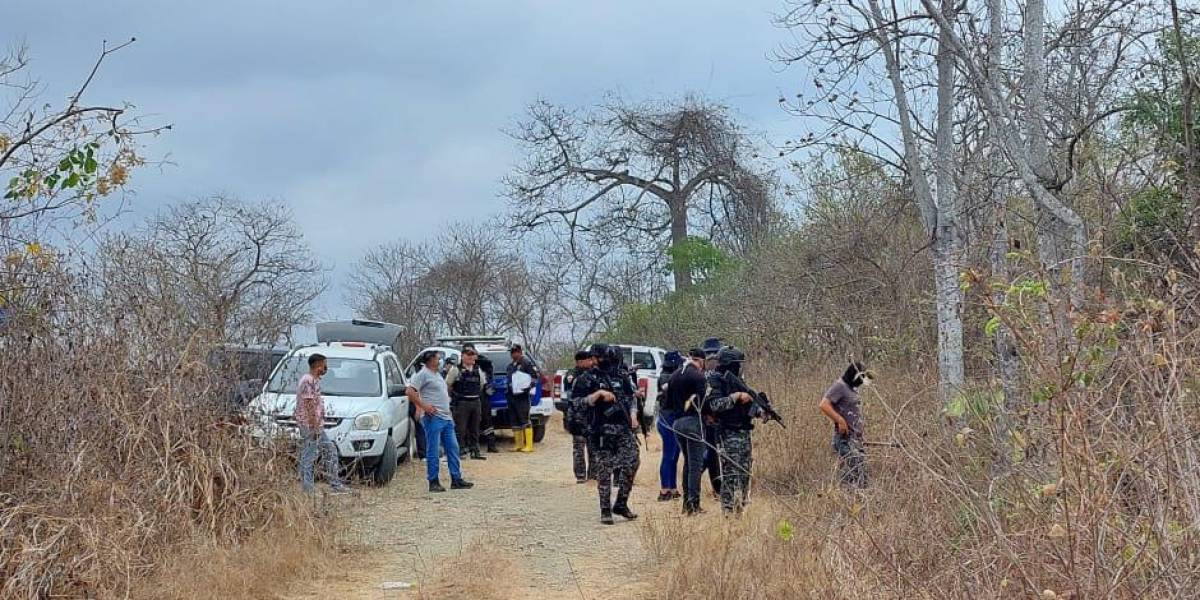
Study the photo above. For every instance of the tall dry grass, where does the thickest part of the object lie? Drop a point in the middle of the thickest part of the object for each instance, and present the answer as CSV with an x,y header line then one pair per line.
x,y
1087,487
116,457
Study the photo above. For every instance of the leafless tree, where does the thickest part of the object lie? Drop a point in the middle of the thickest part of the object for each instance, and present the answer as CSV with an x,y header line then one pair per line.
x,y
646,176
238,272
844,42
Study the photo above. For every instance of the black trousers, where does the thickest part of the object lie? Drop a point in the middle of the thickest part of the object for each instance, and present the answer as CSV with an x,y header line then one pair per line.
x,y
691,442
712,462
518,411
466,422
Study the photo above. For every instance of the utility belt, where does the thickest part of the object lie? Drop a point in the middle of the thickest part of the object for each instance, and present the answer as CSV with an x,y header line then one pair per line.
x,y
463,400
611,435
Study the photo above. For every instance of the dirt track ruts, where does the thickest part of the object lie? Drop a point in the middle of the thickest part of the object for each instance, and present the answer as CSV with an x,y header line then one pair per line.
x,y
527,507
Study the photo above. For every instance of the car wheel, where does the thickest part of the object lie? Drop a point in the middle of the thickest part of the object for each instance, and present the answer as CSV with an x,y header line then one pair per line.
x,y
386,467
410,447
539,432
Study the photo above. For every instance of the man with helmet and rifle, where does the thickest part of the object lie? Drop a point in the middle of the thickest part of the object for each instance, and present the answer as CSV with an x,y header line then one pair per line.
x,y
734,407
608,393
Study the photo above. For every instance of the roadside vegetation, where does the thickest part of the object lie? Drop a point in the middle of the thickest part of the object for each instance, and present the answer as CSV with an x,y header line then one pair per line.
x,y
996,205
120,456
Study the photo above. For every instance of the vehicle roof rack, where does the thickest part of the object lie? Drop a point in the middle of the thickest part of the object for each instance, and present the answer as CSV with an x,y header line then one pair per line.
x,y
462,339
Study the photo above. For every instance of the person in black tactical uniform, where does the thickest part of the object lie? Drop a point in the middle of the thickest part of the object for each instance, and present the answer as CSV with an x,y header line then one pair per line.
x,y
734,412
607,391
684,392
519,402
710,428
465,381
486,433
576,420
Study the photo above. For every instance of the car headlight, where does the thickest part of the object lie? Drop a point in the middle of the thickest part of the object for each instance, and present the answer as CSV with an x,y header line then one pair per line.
x,y
369,421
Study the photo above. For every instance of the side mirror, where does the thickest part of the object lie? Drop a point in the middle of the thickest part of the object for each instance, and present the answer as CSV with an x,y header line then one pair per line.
x,y
395,390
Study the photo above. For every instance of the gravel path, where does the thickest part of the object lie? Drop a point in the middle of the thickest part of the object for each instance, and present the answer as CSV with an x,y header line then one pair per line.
x,y
524,507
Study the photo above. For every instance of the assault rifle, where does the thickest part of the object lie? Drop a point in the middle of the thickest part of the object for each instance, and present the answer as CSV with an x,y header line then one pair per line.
x,y
759,399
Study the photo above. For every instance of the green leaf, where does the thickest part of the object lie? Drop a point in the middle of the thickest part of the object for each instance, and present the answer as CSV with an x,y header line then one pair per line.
x,y
785,530
65,164
992,326
89,165
71,181
957,407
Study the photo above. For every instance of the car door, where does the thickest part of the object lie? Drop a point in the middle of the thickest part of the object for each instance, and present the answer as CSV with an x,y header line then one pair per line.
x,y
400,403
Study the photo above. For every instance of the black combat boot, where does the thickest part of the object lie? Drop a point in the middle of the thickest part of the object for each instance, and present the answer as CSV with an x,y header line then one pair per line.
x,y
475,455
436,486
621,508
491,444
461,484
606,517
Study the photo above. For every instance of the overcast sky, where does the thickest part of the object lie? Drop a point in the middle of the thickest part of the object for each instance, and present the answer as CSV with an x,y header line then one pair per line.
x,y
379,120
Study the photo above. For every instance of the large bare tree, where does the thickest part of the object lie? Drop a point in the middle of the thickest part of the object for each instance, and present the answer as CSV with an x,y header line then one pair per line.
x,y
645,176
231,271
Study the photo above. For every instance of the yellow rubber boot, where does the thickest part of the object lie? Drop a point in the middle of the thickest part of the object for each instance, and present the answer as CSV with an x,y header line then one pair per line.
x,y
528,440
518,442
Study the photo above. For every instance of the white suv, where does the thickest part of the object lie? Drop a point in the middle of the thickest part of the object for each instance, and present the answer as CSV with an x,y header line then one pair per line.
x,y
366,411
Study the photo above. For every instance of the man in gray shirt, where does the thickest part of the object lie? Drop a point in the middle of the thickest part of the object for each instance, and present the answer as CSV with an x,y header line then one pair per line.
x,y
840,405
427,391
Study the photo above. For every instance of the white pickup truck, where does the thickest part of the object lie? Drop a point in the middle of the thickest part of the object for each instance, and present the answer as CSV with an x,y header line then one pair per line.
x,y
647,360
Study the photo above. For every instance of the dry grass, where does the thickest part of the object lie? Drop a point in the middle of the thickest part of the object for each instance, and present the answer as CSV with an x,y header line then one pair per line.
x,y
117,460
1100,498
263,566
484,570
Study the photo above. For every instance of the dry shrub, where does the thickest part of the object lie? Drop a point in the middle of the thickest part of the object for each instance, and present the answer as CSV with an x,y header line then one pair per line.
x,y
1087,486
115,453
483,570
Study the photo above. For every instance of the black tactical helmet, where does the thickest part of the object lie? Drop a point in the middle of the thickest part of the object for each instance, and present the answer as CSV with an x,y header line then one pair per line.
x,y
730,358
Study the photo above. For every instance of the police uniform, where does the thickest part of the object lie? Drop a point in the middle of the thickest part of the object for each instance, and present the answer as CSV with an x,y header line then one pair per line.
x,y
733,439
616,449
576,422
465,392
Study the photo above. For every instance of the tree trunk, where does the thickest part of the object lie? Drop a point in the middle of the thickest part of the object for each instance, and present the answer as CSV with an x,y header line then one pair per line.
x,y
1007,368
1059,240
679,233
947,245
938,214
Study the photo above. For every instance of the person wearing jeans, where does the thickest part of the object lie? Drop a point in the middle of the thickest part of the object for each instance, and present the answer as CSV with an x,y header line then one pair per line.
x,y
428,392
685,390
668,468
310,417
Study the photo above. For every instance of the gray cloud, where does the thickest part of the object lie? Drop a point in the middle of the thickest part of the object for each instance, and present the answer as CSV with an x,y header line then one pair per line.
x,y
378,120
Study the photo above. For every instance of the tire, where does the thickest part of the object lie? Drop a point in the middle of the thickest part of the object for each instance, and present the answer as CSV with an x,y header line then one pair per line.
x,y
386,467
539,432
409,446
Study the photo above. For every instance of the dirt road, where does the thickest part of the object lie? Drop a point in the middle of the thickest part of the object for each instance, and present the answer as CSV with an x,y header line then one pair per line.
x,y
527,530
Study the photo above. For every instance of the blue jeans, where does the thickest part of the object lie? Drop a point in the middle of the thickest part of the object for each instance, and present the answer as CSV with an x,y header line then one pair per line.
x,y
668,469
312,444
439,432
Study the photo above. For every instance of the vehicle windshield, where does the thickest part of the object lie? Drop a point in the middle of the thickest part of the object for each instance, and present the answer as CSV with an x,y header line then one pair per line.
x,y
501,359
346,377
631,358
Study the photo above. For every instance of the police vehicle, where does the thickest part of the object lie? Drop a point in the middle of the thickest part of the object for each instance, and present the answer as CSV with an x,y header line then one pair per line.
x,y
496,350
